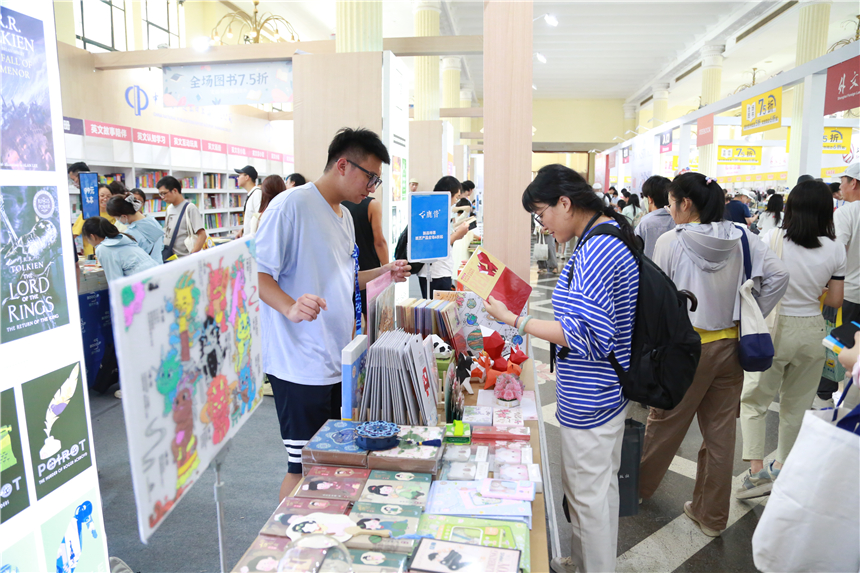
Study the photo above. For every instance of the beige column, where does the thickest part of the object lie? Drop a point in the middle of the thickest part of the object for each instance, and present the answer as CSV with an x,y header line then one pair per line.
x,y
712,77
591,166
64,17
811,43
660,103
451,90
427,67
630,110
507,129
465,101
359,26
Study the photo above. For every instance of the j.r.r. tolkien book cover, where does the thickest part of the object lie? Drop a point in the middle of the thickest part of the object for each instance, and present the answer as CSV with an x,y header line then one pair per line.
x,y
33,295
26,142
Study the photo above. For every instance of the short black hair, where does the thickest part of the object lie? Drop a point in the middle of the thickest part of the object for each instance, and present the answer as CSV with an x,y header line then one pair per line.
x,y
79,166
170,183
706,195
117,188
449,184
834,187
809,214
656,189
468,185
357,144
297,178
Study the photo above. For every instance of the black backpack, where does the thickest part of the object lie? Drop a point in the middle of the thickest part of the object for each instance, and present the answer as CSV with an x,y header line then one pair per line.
x,y
400,251
665,347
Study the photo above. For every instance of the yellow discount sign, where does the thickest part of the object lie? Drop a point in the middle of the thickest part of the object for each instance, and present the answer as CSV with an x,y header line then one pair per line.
x,y
837,140
762,113
739,155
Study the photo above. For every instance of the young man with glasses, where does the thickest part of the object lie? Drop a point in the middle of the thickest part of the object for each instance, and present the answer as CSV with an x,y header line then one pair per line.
x,y
309,280
170,189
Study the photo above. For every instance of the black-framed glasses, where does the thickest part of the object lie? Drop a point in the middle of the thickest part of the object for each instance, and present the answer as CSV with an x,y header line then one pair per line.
x,y
373,180
539,216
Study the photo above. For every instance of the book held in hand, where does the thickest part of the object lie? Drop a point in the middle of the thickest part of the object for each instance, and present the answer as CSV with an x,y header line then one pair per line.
x,y
487,276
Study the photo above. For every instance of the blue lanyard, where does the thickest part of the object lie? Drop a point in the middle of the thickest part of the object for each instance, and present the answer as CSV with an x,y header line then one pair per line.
x,y
357,294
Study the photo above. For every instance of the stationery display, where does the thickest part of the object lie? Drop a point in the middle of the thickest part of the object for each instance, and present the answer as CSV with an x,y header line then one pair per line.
x,y
489,533
336,526
380,306
505,455
487,398
290,506
374,561
463,471
472,315
419,450
508,391
432,317
378,435
462,498
354,371
401,488
512,433
264,555
522,490
331,471
458,433
508,417
334,445
478,415
396,519
487,276
457,453
322,487
455,398
514,472
435,556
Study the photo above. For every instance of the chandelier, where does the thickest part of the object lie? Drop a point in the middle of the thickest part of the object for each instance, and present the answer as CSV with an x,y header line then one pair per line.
x,y
848,40
250,28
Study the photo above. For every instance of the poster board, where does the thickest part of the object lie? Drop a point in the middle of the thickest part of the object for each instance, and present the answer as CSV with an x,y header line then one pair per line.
x,y
429,226
50,506
188,347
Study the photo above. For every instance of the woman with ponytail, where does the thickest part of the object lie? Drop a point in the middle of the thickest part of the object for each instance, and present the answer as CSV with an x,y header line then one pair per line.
x,y
118,253
594,305
704,255
145,230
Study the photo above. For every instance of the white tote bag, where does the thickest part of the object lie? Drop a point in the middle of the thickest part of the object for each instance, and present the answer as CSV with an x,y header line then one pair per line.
x,y
812,518
541,248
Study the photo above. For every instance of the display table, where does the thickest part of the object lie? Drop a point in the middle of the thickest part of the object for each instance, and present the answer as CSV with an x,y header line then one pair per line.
x,y
95,318
538,543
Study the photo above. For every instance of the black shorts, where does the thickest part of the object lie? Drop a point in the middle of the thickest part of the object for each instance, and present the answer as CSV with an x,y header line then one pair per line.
x,y
302,411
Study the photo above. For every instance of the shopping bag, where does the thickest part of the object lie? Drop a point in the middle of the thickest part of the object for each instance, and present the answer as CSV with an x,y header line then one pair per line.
x,y
541,248
811,521
755,347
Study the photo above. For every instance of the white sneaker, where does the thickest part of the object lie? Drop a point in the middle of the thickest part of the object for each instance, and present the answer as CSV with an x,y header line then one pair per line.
x,y
562,565
819,404
118,394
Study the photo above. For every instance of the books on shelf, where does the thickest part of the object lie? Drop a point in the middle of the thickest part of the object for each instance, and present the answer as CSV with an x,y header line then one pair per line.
x,y
155,205
212,180
108,178
189,182
148,180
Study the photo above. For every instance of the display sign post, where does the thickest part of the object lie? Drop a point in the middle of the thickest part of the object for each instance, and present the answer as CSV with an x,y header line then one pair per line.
x,y
739,155
429,226
89,194
762,112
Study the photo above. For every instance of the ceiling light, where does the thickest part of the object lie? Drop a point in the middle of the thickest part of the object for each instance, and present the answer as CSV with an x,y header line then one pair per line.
x,y
200,44
548,18
229,31
540,57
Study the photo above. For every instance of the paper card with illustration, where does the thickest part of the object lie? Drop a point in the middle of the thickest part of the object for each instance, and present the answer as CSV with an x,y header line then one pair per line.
x,y
463,498
487,276
436,556
13,496
401,488
335,525
266,552
334,444
523,490
472,315
486,532
332,471
290,506
74,538
396,519
376,561
321,487
189,353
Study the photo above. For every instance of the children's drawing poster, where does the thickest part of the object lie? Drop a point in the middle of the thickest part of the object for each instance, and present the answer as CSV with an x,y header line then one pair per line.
x,y
188,344
73,538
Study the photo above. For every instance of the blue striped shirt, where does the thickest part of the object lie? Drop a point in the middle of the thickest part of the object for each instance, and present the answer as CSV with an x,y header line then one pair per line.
x,y
597,314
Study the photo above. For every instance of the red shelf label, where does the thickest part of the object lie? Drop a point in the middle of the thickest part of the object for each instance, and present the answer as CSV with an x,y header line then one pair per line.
x,y
214,147
108,131
275,156
151,138
184,142
236,150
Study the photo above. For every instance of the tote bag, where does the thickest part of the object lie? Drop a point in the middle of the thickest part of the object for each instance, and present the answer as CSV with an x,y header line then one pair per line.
x,y
191,238
541,248
811,521
755,347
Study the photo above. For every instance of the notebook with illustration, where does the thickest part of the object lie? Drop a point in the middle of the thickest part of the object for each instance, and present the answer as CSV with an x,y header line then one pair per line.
x,y
511,433
322,487
508,417
487,276
409,455
373,561
486,532
437,556
354,370
522,490
400,488
396,519
332,471
266,552
462,498
290,506
334,445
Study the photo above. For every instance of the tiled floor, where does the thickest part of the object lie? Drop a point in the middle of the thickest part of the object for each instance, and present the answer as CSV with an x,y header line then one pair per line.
x,y
660,537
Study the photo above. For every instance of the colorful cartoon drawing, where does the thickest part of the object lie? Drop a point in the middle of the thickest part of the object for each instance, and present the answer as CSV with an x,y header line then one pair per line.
x,y
217,309
184,446
132,302
217,408
7,456
59,402
167,379
184,308
247,389
212,350
71,546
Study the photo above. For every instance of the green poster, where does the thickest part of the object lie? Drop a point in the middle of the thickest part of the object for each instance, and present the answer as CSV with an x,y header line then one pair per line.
x,y
33,297
21,556
57,428
13,478
74,537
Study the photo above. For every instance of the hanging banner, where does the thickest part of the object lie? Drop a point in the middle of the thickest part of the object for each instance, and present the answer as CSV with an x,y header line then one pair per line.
x,y
611,159
837,140
228,84
762,112
666,142
705,130
625,155
188,346
429,226
739,155
843,87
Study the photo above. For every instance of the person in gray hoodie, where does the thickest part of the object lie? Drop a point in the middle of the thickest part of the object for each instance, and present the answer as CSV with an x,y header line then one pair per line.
x,y
118,253
703,255
658,220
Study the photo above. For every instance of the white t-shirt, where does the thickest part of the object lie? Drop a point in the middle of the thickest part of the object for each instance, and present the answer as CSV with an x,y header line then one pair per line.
x,y
307,249
192,218
767,222
252,207
809,271
847,222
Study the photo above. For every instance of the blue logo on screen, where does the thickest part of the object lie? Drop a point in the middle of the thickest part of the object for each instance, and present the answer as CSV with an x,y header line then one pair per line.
x,y
136,99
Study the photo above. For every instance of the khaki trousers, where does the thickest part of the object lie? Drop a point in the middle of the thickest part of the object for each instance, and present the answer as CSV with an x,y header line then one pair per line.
x,y
590,461
795,375
713,398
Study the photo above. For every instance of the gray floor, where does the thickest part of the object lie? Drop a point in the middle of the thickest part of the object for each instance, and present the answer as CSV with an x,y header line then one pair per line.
x,y
660,538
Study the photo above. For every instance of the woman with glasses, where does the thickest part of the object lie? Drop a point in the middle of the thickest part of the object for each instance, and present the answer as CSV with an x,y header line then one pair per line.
x,y
594,304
